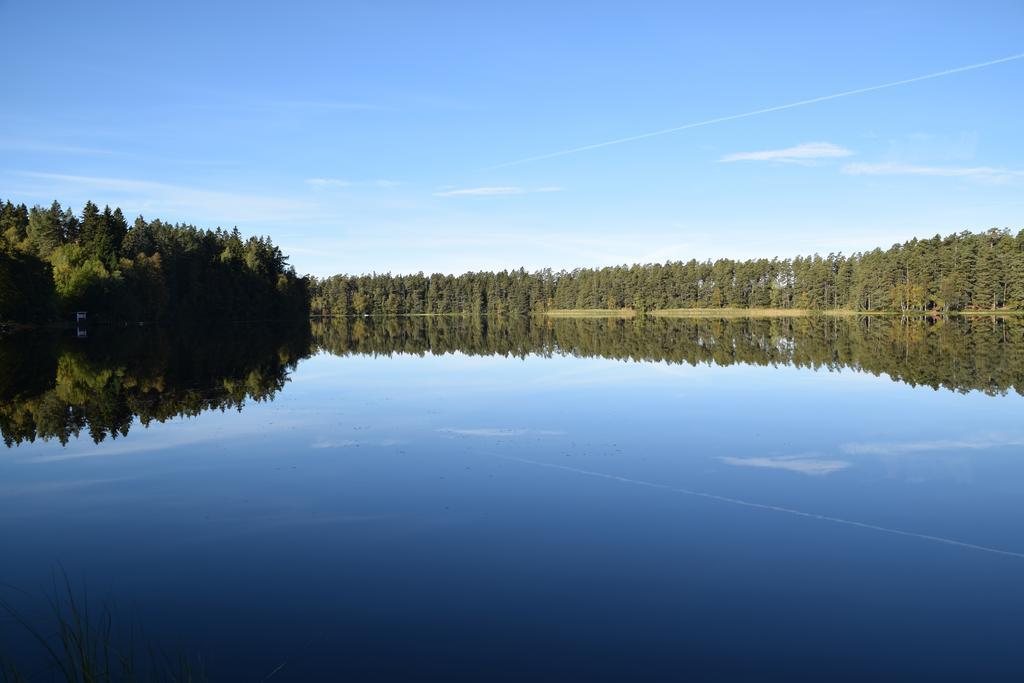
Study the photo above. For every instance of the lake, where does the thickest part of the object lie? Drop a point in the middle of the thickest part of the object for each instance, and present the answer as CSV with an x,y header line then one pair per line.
x,y
818,498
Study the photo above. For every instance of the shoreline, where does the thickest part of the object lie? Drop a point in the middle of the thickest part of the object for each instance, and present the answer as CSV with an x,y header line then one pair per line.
x,y
767,313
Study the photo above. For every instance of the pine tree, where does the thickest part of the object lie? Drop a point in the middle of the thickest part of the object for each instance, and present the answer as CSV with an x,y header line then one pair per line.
x,y
91,234
45,230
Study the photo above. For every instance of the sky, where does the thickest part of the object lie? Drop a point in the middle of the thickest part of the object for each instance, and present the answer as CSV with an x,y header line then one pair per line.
x,y
452,136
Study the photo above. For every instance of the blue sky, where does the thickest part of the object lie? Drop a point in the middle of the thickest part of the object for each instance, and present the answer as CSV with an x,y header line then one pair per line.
x,y
377,136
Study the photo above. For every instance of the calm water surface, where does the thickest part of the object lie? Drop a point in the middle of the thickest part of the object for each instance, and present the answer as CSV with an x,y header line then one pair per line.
x,y
448,499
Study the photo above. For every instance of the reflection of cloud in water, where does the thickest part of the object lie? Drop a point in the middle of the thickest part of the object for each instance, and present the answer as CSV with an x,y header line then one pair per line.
x,y
46,487
498,431
900,447
812,466
324,443
174,434
351,443
764,506
485,431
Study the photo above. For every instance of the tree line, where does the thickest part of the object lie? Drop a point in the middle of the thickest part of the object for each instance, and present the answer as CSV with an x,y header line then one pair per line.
x,y
959,272
962,353
57,387
53,262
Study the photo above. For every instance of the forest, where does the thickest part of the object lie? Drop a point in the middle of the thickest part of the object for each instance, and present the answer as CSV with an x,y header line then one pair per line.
x,y
961,272
55,386
54,262
58,387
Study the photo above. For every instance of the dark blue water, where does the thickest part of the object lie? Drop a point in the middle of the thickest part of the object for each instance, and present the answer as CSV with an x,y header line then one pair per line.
x,y
555,517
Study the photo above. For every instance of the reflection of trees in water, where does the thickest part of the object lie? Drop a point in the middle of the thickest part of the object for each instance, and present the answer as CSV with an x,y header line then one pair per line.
x,y
55,387
960,354
59,387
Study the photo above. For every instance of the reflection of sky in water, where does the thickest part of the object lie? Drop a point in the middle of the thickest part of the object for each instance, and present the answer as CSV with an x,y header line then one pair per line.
x,y
504,504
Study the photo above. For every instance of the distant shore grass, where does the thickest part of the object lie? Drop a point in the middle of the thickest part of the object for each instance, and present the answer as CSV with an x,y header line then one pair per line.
x,y
591,313
998,313
733,313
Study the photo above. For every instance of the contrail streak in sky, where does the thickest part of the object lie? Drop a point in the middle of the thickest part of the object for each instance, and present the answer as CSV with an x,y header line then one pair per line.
x,y
781,107
765,506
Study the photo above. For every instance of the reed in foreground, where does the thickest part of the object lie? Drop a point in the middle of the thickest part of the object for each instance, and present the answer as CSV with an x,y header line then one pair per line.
x,y
81,644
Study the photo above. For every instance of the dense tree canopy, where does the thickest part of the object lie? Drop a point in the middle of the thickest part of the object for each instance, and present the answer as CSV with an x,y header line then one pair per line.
x,y
52,261
965,271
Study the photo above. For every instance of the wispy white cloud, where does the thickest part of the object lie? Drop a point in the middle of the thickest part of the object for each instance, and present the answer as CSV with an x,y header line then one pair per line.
x,y
190,203
803,153
894,168
493,191
341,182
321,104
328,182
52,148
480,192
925,446
766,110
811,466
